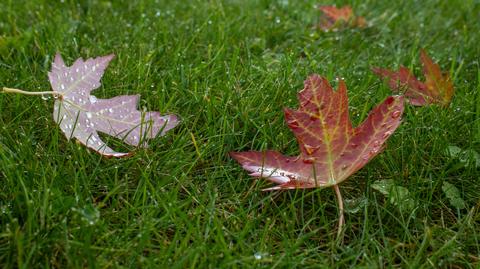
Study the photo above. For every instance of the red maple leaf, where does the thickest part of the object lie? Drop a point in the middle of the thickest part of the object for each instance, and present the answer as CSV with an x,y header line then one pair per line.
x,y
437,88
334,18
330,148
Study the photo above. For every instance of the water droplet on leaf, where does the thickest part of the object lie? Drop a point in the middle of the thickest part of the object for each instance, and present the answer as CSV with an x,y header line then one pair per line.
x,y
396,114
310,149
308,160
293,124
387,134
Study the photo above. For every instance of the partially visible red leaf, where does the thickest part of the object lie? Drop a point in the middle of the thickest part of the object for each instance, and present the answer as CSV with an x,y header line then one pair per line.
x,y
334,18
331,149
439,85
437,88
402,81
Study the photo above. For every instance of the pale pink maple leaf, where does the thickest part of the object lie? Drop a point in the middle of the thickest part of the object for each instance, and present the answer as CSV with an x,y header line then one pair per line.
x,y
82,115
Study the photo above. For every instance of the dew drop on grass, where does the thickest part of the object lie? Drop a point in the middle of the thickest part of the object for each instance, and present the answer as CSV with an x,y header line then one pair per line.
x,y
258,256
93,99
89,115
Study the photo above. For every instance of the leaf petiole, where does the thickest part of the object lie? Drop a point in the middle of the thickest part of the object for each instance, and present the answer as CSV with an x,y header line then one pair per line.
x,y
10,90
341,220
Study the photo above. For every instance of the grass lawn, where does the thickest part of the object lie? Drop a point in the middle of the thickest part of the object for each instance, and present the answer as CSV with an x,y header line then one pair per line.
x,y
228,68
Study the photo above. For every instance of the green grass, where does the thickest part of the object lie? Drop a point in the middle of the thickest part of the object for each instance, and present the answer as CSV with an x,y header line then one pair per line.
x,y
228,68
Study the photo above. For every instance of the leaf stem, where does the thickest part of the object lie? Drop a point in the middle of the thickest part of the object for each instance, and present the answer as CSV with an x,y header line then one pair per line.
x,y
341,219
10,90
